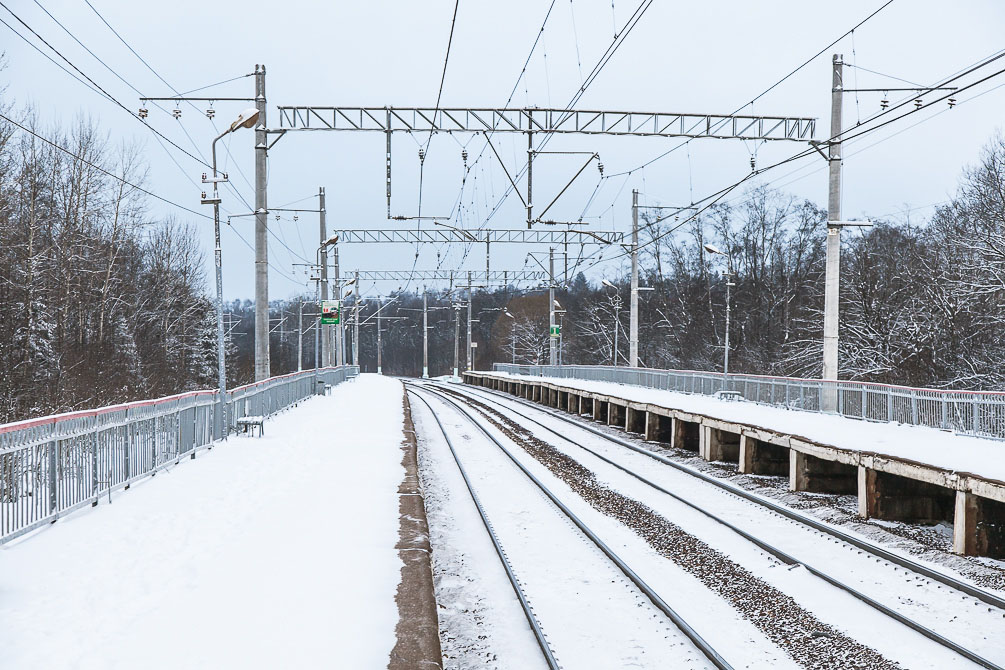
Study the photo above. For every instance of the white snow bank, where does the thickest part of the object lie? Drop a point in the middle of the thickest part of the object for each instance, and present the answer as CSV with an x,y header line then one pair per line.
x,y
272,552
957,453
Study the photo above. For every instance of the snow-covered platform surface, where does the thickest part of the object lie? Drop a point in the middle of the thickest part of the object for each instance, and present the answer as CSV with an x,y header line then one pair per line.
x,y
984,458
275,552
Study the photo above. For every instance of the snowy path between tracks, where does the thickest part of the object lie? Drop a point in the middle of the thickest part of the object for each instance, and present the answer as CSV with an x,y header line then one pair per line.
x,y
930,446
272,552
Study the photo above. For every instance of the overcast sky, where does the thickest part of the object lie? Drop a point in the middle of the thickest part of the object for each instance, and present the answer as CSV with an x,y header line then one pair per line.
x,y
681,57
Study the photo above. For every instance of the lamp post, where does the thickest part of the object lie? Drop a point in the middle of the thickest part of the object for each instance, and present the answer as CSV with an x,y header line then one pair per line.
x,y
512,335
246,119
317,296
728,276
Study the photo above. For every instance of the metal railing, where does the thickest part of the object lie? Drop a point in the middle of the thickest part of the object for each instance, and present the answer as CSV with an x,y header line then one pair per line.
x,y
52,465
980,413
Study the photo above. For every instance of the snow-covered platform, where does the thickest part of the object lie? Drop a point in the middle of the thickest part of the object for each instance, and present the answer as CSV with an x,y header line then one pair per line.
x,y
906,473
271,552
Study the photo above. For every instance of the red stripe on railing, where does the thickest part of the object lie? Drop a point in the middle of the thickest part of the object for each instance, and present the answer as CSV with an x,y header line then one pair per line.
x,y
80,414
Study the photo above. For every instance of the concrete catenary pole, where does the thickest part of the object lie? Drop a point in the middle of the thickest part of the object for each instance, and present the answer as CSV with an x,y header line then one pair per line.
x,y
425,336
355,324
828,399
379,307
339,354
300,335
325,330
633,325
457,337
552,340
468,359
262,365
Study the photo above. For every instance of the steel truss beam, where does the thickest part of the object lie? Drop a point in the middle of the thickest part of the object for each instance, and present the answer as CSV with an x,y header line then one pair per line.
x,y
478,236
508,276
534,120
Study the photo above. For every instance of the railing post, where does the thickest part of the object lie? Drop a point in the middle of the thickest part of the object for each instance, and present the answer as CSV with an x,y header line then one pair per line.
x,y
977,416
52,446
128,444
914,407
94,461
945,411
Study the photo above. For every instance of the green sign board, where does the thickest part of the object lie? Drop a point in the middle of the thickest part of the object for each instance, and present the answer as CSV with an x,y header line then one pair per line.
x,y
330,312
556,331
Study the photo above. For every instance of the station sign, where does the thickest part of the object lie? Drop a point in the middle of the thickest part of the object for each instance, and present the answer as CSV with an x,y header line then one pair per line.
x,y
556,331
330,312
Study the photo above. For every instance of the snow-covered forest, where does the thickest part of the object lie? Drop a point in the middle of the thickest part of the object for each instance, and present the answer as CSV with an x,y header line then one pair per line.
x,y
921,300
100,302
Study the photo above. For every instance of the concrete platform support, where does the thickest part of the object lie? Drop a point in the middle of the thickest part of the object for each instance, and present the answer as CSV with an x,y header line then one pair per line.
x,y
600,410
615,415
686,435
762,458
635,420
562,401
816,475
882,495
573,405
586,406
719,445
978,526
659,428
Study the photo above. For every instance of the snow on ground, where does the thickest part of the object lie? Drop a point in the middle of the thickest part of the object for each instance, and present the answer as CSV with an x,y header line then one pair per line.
x,y
957,453
272,552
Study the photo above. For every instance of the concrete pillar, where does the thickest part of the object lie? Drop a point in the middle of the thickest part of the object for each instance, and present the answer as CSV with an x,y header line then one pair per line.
x,y
746,460
868,495
635,420
797,470
965,524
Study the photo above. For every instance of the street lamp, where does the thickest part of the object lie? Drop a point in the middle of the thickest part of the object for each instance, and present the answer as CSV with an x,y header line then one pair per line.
x,y
246,119
616,304
317,297
728,276
512,334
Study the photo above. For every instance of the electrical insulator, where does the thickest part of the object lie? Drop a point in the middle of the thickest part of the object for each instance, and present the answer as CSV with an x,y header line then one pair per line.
x,y
600,166
210,113
277,217
203,195
176,113
884,103
952,102
753,163
917,103
464,156
144,112
296,217
422,155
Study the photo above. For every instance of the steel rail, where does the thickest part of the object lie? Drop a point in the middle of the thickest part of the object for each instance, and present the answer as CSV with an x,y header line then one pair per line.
x,y
716,659
779,554
535,626
875,550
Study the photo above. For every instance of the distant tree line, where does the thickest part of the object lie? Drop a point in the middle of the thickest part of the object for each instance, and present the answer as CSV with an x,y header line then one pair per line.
x,y
100,302
921,302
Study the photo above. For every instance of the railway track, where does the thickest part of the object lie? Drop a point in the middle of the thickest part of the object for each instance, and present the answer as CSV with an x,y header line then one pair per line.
x,y
877,553
702,654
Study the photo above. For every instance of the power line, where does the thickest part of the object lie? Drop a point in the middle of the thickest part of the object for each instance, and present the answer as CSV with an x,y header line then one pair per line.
x,y
101,169
767,90
96,85
714,198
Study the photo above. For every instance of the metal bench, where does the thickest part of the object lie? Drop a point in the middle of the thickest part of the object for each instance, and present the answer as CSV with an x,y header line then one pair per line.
x,y
729,395
247,423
